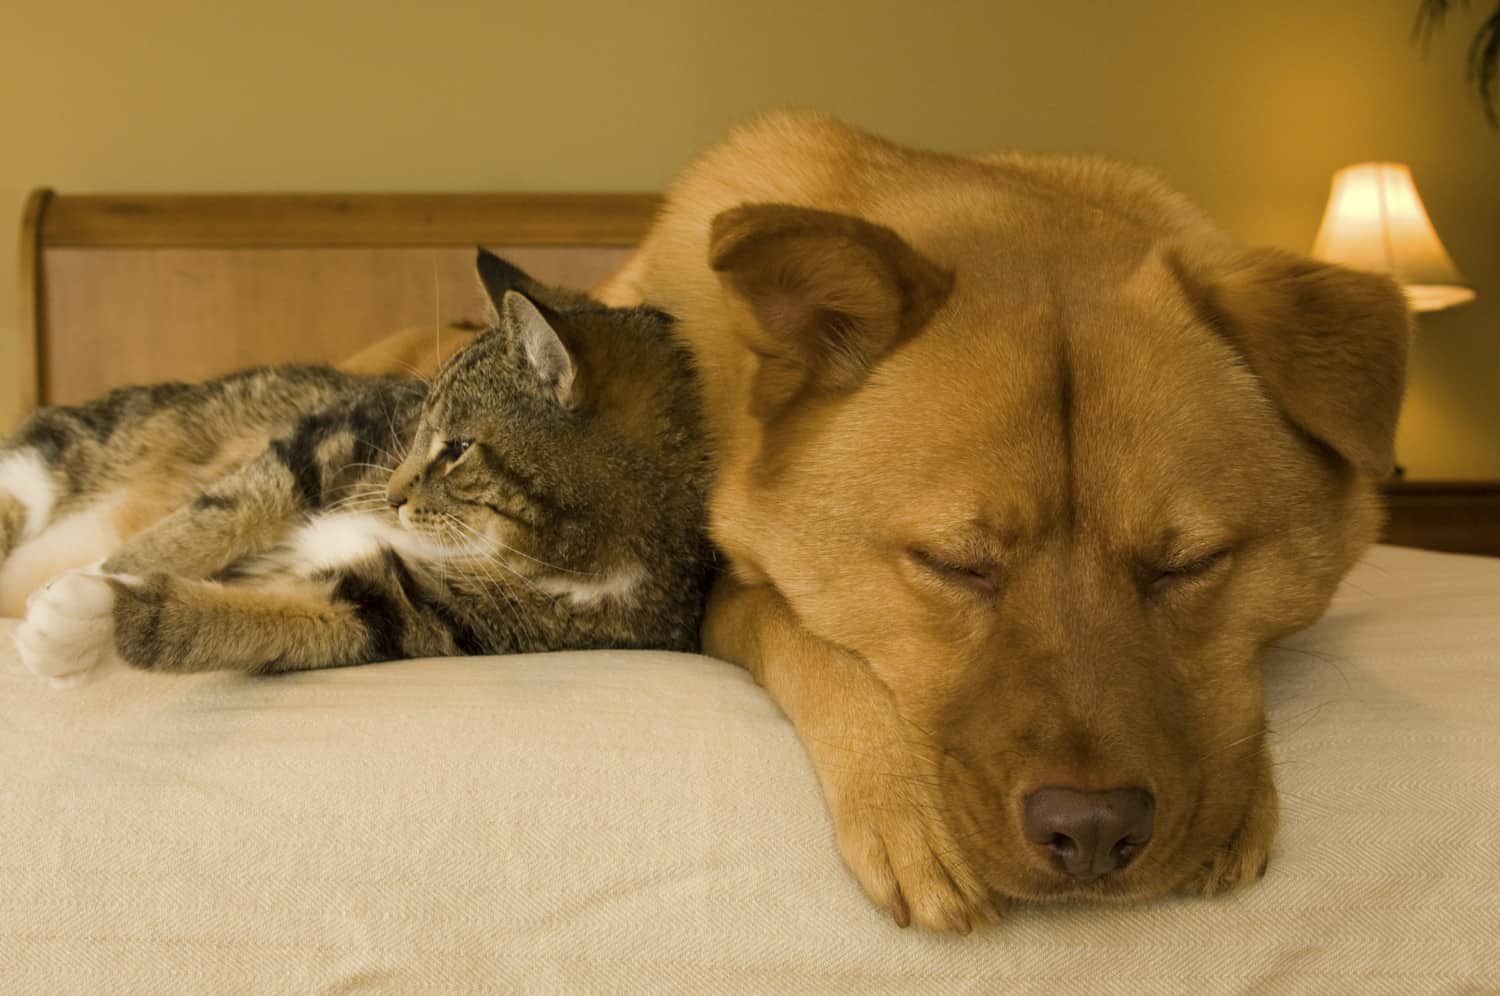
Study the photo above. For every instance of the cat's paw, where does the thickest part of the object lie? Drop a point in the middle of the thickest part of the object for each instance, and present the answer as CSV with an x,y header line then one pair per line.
x,y
69,628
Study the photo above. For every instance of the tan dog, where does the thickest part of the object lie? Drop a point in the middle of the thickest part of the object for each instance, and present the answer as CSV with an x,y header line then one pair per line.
x,y
1021,466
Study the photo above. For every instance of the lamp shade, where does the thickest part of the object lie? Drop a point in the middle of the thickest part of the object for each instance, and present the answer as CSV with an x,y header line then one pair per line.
x,y
1375,221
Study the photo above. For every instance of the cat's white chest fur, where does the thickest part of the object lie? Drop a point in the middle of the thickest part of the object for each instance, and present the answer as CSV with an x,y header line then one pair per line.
x,y
329,541
332,541
586,591
338,539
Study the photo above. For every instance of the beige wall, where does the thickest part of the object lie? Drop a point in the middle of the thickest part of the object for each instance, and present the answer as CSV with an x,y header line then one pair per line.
x,y
1247,107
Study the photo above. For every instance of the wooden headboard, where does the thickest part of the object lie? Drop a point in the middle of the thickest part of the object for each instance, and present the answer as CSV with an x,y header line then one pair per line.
x,y
131,289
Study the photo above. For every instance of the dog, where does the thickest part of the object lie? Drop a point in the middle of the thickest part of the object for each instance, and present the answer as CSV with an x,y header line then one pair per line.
x,y
1021,465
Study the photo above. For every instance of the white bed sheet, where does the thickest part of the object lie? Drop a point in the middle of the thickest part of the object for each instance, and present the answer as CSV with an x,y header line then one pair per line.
x,y
616,821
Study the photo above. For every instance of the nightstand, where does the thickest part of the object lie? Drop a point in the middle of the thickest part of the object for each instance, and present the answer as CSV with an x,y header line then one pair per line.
x,y
1455,516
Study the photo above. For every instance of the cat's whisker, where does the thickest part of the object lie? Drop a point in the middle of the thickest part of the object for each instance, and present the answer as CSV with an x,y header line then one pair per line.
x,y
530,627
475,536
359,505
415,374
488,557
542,563
368,491
371,466
395,460
398,436
437,318
489,591
370,495
362,490
483,564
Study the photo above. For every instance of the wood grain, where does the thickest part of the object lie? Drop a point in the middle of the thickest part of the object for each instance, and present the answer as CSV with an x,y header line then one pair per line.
x,y
137,288
121,316
32,298
287,220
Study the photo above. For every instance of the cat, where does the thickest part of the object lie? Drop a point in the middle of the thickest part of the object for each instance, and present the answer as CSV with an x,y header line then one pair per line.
x,y
551,497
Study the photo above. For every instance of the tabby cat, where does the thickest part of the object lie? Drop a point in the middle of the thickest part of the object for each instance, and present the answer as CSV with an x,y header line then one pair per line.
x,y
550,497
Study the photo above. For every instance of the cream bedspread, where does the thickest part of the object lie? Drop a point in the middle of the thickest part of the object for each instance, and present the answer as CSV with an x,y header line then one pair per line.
x,y
647,822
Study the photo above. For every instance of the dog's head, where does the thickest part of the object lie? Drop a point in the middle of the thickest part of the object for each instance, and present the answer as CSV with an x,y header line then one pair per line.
x,y
1058,483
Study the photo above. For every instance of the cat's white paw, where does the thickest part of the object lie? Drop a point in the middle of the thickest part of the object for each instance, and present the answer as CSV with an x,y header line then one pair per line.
x,y
69,628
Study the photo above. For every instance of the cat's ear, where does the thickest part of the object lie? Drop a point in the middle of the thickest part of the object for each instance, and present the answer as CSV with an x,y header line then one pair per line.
x,y
544,350
499,277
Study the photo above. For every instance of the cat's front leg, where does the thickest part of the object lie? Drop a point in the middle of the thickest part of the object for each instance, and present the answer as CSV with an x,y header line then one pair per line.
x,y
161,622
182,625
359,616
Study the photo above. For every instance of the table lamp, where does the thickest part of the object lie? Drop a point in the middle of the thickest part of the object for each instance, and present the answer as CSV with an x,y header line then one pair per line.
x,y
1375,221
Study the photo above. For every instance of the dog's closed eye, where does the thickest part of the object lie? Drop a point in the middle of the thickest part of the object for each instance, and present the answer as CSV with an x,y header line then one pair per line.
x,y
1179,572
977,578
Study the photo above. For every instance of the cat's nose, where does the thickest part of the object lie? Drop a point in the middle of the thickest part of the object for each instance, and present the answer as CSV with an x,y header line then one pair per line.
x,y
396,500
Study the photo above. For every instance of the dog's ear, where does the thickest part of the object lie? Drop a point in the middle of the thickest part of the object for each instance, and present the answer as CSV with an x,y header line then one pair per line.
x,y
830,294
1328,343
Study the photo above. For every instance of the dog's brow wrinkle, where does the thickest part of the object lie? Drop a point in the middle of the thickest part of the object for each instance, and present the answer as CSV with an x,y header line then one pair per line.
x,y
1065,413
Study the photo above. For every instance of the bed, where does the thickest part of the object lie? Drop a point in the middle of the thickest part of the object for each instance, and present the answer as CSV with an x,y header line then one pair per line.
x,y
627,821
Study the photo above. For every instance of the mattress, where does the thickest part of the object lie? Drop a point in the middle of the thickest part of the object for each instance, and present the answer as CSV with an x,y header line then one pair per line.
x,y
638,821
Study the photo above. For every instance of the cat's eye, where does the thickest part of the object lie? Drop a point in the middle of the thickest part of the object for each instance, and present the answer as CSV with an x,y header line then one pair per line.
x,y
976,578
454,449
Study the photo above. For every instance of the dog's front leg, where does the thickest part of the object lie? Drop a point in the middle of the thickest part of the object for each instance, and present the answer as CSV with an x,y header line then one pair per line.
x,y
878,773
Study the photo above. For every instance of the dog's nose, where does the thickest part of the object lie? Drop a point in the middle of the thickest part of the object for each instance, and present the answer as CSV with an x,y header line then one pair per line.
x,y
1088,834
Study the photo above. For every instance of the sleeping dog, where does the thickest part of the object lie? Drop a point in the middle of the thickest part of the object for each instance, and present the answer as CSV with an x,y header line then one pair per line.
x,y
1021,464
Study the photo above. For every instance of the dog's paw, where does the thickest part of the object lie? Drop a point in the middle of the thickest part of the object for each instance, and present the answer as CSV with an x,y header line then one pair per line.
x,y
69,628
913,873
903,855
1244,859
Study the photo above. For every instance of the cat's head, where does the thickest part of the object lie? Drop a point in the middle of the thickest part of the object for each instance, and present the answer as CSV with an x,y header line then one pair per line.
x,y
563,441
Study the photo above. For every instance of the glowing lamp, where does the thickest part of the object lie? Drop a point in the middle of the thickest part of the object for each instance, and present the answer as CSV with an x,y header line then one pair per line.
x,y
1375,221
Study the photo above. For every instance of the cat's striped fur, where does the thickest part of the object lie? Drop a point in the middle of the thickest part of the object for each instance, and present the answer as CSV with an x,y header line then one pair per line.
x,y
550,497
